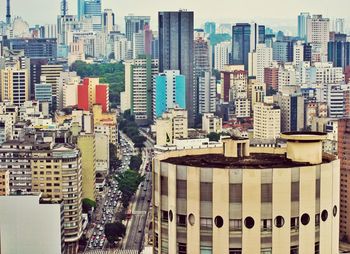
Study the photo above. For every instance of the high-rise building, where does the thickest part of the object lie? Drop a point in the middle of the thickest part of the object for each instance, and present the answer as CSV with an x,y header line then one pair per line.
x,y
318,32
292,111
135,24
343,153
210,28
211,123
15,85
4,182
339,25
138,45
68,89
245,37
87,146
35,73
170,92
267,121
57,174
302,25
91,92
51,73
140,76
148,38
43,93
339,53
232,76
91,9
176,37
21,215
222,54
172,125
223,199
108,20
271,79
259,59
206,93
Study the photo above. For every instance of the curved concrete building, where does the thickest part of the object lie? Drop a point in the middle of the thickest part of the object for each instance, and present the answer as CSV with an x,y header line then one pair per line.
x,y
240,199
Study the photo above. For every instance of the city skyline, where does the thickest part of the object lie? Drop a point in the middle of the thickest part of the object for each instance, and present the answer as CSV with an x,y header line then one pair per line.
x,y
247,11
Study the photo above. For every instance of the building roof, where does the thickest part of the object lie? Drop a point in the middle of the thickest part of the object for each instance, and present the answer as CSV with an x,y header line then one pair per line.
x,y
254,161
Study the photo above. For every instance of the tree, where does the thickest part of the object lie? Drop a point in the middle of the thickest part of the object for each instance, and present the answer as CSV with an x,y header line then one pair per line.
x,y
114,231
114,163
128,182
135,162
213,136
88,204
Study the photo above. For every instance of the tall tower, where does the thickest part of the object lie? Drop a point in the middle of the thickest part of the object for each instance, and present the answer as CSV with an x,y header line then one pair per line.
x,y
64,8
8,12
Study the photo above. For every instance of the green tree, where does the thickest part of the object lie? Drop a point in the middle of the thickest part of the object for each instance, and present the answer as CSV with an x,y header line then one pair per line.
x,y
87,205
135,162
128,182
213,136
114,231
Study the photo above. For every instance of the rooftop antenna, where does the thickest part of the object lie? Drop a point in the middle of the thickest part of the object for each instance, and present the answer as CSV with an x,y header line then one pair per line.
x,y
64,8
8,12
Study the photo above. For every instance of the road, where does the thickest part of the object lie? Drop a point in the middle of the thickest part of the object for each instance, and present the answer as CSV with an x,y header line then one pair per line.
x,y
136,234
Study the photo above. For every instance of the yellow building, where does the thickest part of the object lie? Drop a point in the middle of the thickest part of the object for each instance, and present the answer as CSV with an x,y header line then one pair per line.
x,y
267,121
172,125
15,85
4,182
103,121
87,147
241,199
57,174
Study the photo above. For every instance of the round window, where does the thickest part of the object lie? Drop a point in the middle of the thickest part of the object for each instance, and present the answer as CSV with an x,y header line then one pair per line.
x,y
335,210
249,222
324,215
305,219
171,216
219,221
279,221
191,219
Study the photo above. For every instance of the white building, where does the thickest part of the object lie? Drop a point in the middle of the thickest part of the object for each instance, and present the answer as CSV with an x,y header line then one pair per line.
x,y
267,121
122,48
325,73
298,53
67,84
222,53
259,60
207,93
28,224
138,45
211,123
102,152
318,32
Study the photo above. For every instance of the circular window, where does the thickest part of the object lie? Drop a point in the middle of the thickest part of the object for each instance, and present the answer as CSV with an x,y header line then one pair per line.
x,y
324,215
249,222
219,221
305,219
171,216
279,221
335,210
191,219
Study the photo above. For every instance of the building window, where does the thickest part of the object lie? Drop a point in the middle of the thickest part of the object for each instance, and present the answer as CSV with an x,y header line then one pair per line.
x,y
324,215
249,222
279,221
219,221
305,219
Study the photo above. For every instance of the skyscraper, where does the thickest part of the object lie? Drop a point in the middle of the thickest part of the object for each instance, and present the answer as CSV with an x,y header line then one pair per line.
x,y
135,24
108,20
176,51
318,33
339,51
302,18
339,25
91,9
210,27
245,37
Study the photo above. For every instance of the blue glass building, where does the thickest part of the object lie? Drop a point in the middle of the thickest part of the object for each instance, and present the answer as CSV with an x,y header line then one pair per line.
x,y
43,93
91,9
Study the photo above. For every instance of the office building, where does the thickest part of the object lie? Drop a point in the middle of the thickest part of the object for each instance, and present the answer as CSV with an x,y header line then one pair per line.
x,y
138,45
15,85
292,111
172,125
233,78
210,28
259,59
91,92
35,73
22,215
140,75
339,25
223,199
170,92
135,24
206,93
176,45
51,74
211,123
34,48
108,21
57,174
43,93
318,32
222,54
87,146
339,53
91,9
302,25
245,37
148,39
122,49
271,79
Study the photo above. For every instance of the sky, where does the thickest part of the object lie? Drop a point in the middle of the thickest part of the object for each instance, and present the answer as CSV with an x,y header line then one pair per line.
x,y
270,12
